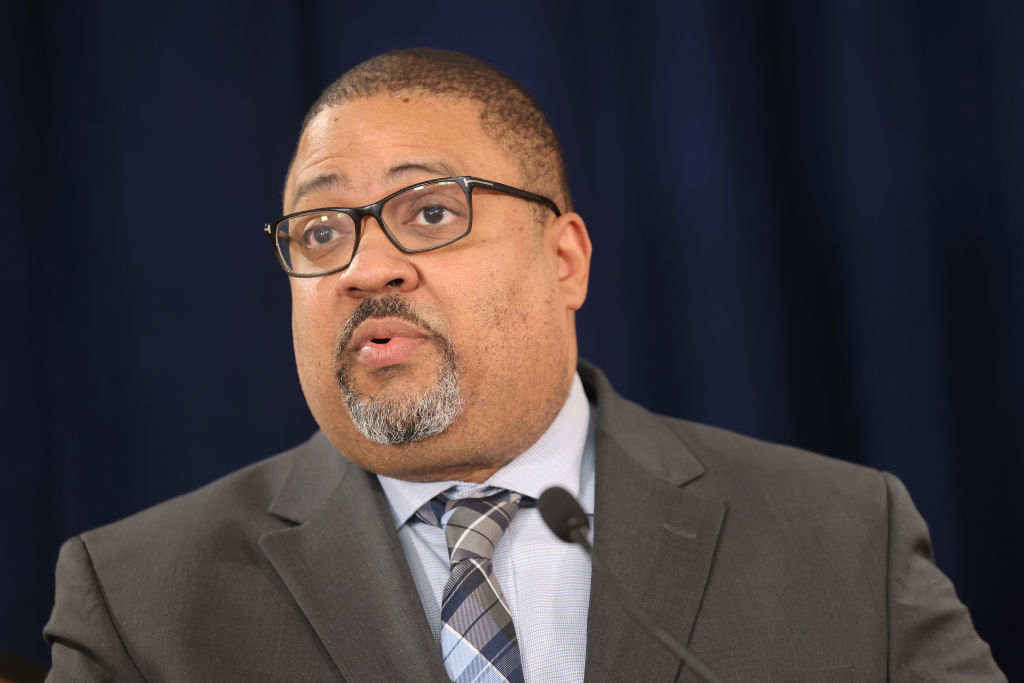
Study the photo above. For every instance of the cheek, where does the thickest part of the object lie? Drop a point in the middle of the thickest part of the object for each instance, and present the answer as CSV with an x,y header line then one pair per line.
x,y
512,321
314,333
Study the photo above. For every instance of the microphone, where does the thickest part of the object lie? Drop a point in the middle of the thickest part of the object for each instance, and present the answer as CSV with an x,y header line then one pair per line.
x,y
566,519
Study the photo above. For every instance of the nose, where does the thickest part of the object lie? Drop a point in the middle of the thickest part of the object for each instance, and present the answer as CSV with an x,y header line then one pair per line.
x,y
378,267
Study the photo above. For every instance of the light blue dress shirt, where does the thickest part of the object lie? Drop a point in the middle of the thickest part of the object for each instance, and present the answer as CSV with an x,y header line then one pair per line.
x,y
546,582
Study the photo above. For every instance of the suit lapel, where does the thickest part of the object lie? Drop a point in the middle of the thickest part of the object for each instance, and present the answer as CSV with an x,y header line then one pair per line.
x,y
657,538
346,570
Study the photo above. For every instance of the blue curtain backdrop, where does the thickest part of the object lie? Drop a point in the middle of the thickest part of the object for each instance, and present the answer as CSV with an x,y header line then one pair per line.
x,y
807,220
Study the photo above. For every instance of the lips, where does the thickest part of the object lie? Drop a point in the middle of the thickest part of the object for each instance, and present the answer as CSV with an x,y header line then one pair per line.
x,y
383,342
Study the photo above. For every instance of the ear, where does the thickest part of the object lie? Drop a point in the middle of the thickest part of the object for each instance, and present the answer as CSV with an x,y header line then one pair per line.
x,y
572,250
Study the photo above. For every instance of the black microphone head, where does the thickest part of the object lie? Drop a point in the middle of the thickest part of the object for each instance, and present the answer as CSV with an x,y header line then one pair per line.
x,y
562,513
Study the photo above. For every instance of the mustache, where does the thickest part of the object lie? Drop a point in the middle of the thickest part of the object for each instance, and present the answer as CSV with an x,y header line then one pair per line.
x,y
389,306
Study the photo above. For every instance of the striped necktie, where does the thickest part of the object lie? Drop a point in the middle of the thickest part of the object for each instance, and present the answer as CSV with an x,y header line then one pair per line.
x,y
478,638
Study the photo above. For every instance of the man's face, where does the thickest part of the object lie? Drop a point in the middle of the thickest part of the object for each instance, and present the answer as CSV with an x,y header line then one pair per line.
x,y
461,356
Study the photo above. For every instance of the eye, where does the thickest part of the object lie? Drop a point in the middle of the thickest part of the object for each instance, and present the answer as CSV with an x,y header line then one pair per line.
x,y
428,214
434,214
321,231
320,234
435,210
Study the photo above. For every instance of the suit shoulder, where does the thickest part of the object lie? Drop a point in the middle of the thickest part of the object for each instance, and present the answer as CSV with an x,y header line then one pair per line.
x,y
236,501
734,460
680,451
723,443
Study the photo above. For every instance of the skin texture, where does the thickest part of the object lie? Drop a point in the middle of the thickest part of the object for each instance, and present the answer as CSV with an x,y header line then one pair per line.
x,y
505,296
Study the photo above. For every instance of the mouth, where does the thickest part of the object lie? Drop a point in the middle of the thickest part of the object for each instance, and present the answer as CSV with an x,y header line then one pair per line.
x,y
385,342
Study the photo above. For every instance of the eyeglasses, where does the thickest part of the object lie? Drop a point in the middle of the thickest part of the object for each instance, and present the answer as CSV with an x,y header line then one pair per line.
x,y
417,218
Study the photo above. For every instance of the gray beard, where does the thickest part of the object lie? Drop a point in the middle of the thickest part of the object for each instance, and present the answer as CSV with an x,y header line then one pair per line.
x,y
407,419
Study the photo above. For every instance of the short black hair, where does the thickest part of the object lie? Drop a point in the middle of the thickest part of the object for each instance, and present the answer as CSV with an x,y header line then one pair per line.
x,y
508,113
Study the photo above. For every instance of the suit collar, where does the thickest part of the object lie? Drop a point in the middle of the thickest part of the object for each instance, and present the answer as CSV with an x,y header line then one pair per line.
x,y
638,434
633,431
319,469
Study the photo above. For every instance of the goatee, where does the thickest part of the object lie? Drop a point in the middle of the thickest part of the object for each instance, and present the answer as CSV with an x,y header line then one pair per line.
x,y
396,420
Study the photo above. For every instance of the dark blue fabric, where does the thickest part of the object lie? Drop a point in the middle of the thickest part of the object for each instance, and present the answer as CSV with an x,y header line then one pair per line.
x,y
807,219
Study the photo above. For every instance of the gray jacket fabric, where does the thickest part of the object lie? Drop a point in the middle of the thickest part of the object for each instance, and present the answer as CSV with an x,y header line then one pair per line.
x,y
772,563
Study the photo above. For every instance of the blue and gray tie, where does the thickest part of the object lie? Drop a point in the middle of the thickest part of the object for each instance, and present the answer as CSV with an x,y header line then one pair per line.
x,y
478,638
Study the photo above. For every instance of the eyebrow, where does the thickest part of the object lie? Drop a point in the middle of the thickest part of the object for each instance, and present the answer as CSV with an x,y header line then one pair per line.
x,y
334,181
439,168
329,181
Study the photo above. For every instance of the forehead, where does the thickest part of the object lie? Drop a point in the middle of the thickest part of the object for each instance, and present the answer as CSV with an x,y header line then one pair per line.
x,y
370,146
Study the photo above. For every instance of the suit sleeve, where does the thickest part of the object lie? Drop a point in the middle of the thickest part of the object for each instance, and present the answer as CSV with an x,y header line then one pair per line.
x,y
84,641
931,636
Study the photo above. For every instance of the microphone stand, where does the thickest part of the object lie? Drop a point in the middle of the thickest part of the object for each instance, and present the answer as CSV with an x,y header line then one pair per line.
x,y
577,536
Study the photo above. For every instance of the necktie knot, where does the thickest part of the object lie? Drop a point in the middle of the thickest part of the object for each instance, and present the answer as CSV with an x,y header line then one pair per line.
x,y
472,526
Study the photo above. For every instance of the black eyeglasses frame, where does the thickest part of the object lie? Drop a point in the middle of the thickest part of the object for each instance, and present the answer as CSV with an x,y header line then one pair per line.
x,y
467,183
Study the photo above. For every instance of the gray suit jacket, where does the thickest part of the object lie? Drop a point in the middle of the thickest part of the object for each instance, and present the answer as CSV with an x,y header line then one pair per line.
x,y
775,565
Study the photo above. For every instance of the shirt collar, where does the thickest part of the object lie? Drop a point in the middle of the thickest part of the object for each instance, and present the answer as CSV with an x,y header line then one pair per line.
x,y
554,460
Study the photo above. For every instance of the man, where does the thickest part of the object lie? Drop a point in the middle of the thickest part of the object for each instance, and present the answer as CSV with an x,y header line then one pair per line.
x,y
435,343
